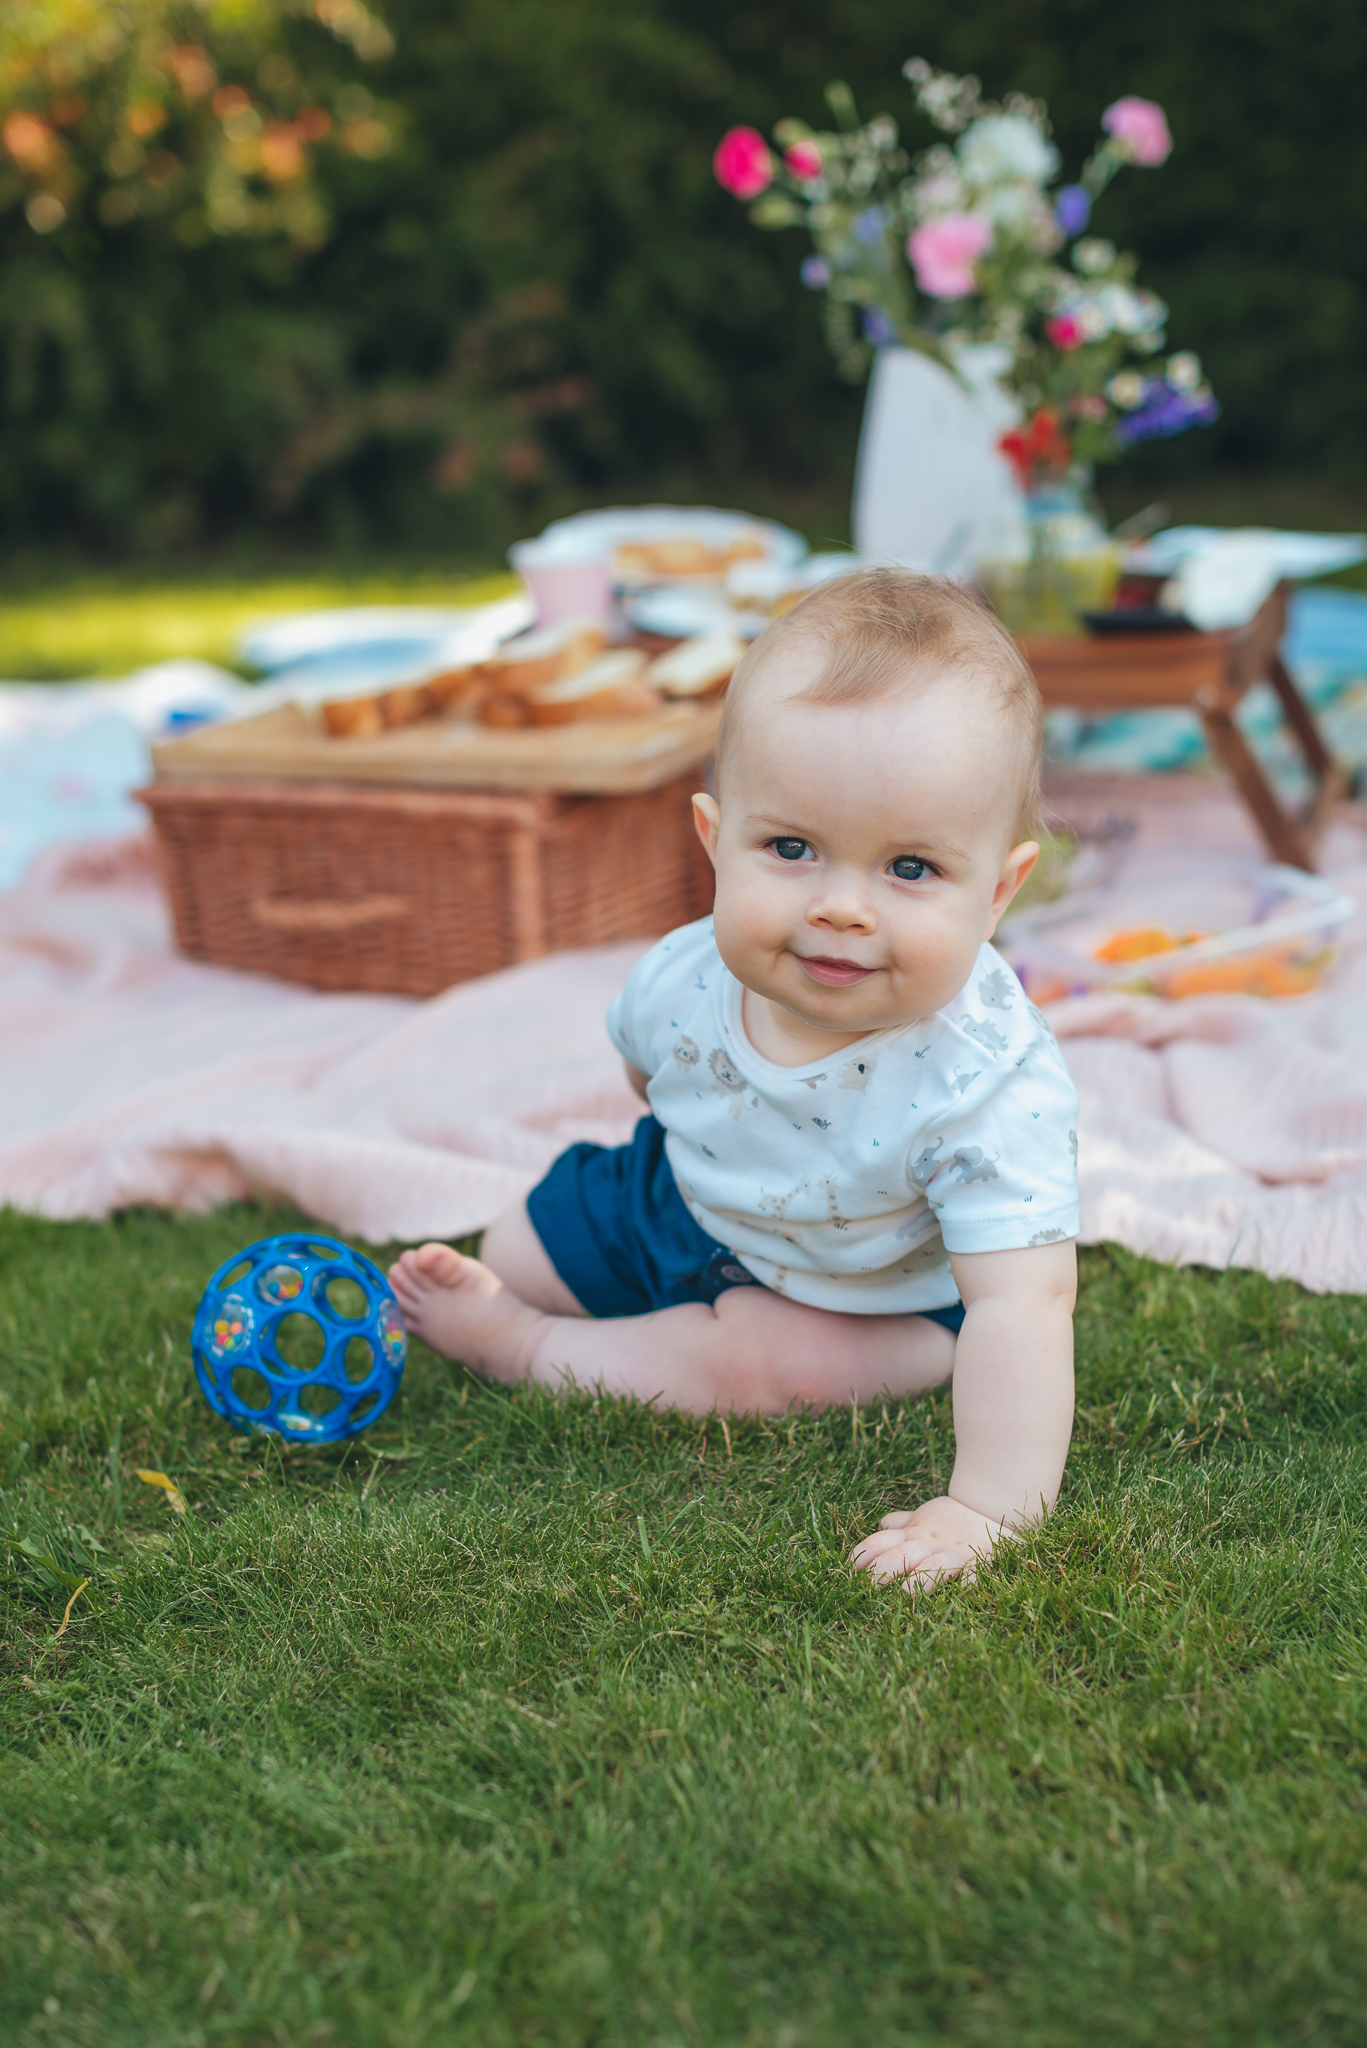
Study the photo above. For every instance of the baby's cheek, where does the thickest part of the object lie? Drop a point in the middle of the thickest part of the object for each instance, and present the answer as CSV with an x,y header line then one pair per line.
x,y
938,951
747,915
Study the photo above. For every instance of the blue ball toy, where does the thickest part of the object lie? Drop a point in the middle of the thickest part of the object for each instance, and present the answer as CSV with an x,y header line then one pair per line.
x,y
301,1336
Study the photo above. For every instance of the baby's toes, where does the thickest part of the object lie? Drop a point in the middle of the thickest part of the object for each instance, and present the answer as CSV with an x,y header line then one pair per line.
x,y
405,1275
439,1265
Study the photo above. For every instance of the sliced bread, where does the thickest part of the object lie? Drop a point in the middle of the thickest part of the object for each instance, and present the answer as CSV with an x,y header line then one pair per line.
x,y
545,656
611,687
697,668
353,718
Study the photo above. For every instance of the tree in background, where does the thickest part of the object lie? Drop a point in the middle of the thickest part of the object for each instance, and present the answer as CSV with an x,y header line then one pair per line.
x,y
170,161
502,276
158,108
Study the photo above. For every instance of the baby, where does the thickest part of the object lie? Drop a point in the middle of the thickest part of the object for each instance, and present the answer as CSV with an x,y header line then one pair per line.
x,y
858,1176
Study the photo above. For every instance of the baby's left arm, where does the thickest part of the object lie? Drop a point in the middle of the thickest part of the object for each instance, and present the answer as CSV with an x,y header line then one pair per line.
x,y
1013,1415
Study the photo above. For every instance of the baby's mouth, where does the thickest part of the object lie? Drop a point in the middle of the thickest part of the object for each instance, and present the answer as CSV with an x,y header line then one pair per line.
x,y
835,973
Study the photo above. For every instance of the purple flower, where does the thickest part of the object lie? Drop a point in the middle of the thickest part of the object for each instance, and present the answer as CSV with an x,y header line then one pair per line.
x,y
877,327
1164,412
871,225
815,273
1072,208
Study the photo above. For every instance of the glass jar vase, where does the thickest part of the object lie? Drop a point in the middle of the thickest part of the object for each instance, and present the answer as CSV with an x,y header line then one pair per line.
x,y
1069,565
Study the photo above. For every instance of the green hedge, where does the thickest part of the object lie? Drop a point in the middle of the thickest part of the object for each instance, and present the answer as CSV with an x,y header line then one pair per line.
x,y
540,293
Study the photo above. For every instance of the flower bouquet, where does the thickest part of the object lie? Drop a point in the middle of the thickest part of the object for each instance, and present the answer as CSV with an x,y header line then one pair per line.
x,y
975,253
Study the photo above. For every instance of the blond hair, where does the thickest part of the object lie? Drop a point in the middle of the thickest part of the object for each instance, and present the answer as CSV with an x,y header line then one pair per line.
x,y
882,626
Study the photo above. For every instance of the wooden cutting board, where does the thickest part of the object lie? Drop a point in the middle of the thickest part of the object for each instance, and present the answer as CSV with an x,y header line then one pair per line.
x,y
595,757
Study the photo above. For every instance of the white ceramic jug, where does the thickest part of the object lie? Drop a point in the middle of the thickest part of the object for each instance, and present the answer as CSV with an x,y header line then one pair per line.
x,y
931,491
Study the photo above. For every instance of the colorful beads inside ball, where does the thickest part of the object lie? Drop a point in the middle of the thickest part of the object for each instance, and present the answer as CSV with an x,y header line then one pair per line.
x,y
302,1336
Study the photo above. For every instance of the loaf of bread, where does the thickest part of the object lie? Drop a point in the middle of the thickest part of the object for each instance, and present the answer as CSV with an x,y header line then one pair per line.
x,y
502,708
490,689
353,718
405,704
456,689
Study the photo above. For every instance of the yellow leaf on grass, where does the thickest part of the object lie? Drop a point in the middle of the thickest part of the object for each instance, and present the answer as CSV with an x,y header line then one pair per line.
x,y
174,1497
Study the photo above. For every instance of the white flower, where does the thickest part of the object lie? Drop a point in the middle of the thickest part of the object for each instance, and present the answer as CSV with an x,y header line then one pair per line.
x,y
1088,309
1021,211
1131,312
942,192
1094,256
1002,148
1184,371
1126,389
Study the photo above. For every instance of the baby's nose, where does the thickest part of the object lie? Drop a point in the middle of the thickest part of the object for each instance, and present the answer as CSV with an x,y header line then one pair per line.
x,y
843,908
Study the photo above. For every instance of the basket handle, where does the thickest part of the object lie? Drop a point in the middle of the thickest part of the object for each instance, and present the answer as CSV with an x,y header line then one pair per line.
x,y
293,914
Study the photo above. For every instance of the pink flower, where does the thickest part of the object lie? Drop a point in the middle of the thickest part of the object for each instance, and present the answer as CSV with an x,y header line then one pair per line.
x,y
943,252
1142,127
742,163
804,161
1088,407
1064,331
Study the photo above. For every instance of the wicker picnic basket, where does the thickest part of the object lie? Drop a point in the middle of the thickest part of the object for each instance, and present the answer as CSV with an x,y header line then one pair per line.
x,y
405,891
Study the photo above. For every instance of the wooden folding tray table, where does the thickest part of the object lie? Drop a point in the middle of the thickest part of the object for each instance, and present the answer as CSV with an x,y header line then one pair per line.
x,y
1209,672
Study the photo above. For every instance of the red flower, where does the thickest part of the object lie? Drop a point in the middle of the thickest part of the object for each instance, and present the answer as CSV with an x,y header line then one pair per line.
x,y
804,161
742,163
1040,445
1065,331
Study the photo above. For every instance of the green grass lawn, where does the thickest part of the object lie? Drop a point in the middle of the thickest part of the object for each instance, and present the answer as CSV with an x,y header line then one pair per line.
x,y
86,624
529,1720
60,620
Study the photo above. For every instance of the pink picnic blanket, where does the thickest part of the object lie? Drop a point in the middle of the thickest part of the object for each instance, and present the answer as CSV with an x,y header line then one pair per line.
x,y
1220,1131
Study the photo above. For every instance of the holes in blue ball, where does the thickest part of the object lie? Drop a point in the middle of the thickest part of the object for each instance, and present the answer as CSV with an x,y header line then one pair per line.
x,y
322,1251
251,1390
318,1400
357,1359
299,1342
231,1279
362,1409
346,1298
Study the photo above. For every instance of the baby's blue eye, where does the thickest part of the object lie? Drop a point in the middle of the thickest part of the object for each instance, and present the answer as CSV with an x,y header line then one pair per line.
x,y
789,849
908,868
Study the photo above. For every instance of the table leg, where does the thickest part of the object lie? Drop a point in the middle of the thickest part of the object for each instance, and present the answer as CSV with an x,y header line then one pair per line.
x,y
1300,718
1285,836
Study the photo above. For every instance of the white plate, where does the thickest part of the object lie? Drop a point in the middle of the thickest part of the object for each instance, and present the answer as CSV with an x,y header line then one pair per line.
x,y
684,613
1297,554
604,531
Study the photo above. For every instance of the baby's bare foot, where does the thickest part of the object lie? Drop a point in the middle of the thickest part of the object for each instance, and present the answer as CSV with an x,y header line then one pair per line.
x,y
464,1311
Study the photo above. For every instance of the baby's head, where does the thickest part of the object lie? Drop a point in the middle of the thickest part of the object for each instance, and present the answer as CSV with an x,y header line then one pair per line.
x,y
877,782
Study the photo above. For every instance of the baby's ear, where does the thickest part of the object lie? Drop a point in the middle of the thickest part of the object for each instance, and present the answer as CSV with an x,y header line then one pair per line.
x,y
1015,872
707,819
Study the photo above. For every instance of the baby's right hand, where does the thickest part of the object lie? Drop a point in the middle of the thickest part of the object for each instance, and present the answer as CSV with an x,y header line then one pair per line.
x,y
943,1539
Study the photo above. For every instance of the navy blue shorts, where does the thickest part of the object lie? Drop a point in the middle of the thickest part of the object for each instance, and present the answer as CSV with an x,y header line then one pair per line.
x,y
619,1234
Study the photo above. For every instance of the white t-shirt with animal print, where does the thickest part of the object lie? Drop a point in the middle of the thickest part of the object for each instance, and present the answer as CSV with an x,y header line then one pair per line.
x,y
845,1184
